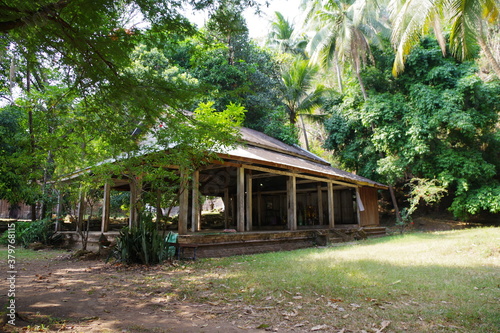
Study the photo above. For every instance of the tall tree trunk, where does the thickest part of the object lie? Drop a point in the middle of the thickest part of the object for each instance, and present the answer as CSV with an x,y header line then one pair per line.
x,y
361,83
489,55
305,133
339,73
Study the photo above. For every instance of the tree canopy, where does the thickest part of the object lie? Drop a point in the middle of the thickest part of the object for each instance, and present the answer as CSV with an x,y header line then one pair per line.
x,y
436,121
85,81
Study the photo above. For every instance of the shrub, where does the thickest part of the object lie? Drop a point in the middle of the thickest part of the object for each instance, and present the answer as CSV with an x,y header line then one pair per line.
x,y
41,231
144,244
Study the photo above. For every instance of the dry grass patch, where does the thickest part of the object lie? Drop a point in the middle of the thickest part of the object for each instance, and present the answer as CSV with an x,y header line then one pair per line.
x,y
442,281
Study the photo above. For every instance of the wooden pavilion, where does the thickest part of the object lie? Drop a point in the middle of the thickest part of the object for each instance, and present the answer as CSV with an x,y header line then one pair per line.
x,y
268,188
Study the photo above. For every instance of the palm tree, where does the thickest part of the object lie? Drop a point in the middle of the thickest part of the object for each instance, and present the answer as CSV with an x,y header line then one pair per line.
x,y
281,36
469,20
301,93
343,34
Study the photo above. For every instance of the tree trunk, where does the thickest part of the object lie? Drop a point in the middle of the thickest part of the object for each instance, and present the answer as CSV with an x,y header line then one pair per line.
x,y
339,74
489,55
361,83
305,133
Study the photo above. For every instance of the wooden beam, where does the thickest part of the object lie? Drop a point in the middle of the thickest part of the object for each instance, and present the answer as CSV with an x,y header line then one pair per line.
x,y
240,201
298,175
135,196
227,209
331,211
58,211
106,207
259,208
195,206
248,225
265,175
359,206
183,204
292,203
320,204
132,216
80,210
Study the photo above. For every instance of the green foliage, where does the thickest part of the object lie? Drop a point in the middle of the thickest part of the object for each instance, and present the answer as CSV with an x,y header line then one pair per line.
x,y
427,191
437,120
231,69
13,162
41,231
274,125
472,202
143,244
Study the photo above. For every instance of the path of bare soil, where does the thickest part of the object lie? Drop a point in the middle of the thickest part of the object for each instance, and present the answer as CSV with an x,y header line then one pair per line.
x,y
91,296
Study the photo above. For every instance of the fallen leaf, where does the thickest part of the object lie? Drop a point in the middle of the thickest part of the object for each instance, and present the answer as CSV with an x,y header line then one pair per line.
x,y
384,325
293,313
319,328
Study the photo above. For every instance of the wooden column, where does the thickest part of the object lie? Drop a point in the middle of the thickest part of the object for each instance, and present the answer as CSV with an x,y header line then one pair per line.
x,y
135,188
331,211
240,200
159,212
80,211
259,208
105,208
227,209
359,205
58,211
320,204
249,202
195,206
183,204
292,202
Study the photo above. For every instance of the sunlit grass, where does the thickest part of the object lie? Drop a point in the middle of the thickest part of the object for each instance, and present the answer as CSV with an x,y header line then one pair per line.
x,y
21,253
441,281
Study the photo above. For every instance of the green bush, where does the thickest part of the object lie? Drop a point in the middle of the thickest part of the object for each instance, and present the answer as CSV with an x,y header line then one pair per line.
x,y
144,244
41,231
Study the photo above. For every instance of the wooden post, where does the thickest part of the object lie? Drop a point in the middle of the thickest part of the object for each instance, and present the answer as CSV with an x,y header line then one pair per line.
x,y
359,205
240,202
159,212
105,208
331,211
195,206
134,189
320,204
292,202
58,211
249,202
183,204
81,209
259,208
227,209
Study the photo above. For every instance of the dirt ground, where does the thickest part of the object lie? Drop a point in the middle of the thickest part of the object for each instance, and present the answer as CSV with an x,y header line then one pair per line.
x,y
91,296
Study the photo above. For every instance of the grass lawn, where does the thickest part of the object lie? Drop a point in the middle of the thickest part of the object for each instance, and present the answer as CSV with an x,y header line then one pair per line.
x,y
436,282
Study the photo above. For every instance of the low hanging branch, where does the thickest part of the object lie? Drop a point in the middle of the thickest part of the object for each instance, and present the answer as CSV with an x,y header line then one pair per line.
x,y
26,18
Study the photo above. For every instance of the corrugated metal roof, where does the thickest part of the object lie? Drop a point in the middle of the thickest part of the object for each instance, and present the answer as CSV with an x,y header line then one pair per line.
x,y
260,139
270,157
257,147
